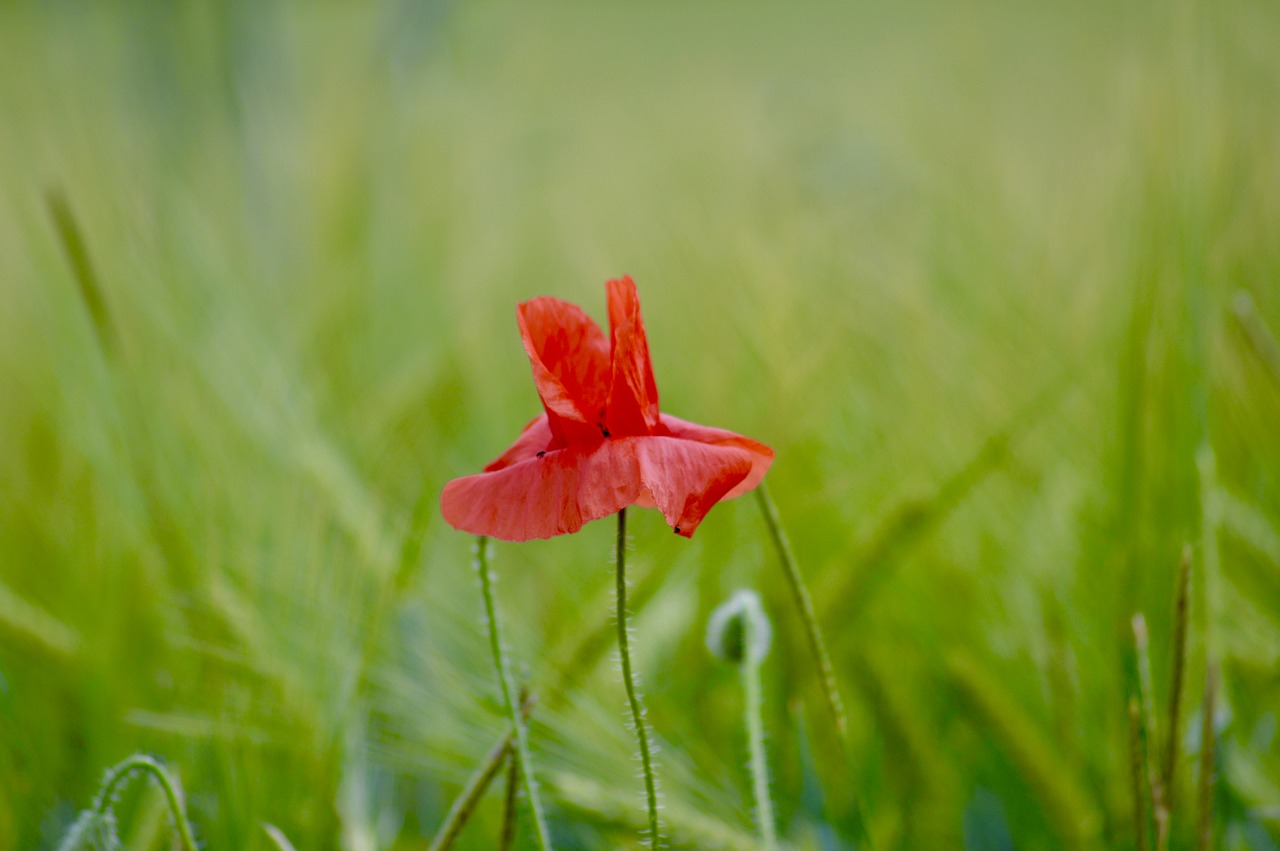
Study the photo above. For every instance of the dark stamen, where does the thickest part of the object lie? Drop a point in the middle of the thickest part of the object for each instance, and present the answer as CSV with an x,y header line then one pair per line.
x,y
540,454
677,530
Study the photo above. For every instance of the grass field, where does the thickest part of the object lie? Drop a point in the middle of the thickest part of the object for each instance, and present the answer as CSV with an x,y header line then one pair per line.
x,y
998,281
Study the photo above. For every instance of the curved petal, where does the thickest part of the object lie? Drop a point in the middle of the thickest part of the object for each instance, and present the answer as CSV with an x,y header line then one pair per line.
x,y
686,478
761,455
534,438
547,496
633,392
570,359
560,491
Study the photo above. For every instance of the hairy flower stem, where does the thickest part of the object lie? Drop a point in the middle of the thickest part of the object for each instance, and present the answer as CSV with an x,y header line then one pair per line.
x,y
117,776
754,709
509,695
805,604
637,712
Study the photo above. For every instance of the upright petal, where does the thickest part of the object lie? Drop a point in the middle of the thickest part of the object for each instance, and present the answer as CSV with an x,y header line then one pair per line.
x,y
686,478
546,496
633,393
534,438
570,359
761,455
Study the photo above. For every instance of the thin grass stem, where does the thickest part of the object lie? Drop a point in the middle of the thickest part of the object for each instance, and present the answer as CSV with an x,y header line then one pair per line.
x,y
817,646
1137,776
754,709
1173,723
628,678
465,804
1146,698
1204,836
142,763
1211,616
1261,339
509,810
72,239
509,695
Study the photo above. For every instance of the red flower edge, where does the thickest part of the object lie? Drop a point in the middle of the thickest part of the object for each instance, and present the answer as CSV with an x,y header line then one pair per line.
x,y
601,444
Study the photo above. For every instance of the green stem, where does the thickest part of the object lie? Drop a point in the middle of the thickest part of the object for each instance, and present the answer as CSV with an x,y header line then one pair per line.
x,y
465,804
509,695
633,697
509,805
140,762
805,604
1172,734
1204,834
1146,703
755,736
1137,776
817,647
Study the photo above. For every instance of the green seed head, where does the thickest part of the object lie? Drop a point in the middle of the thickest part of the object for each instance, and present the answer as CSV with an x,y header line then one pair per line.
x,y
739,630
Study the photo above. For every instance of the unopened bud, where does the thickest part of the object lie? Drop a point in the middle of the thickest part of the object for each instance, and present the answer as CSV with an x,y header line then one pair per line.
x,y
739,630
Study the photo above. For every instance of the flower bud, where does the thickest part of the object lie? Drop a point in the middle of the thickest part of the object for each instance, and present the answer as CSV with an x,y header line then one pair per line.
x,y
739,630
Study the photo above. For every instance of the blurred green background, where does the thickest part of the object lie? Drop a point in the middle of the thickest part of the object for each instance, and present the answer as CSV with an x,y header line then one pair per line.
x,y
993,278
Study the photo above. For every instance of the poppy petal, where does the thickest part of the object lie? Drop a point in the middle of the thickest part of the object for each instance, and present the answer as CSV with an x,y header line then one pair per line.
x,y
570,358
761,455
536,437
633,392
547,496
686,478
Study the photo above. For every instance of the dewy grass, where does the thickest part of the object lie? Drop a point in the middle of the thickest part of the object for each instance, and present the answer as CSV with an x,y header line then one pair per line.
x,y
509,693
628,679
96,826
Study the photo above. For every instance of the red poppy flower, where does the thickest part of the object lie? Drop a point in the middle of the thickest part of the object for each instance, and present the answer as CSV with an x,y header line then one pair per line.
x,y
601,444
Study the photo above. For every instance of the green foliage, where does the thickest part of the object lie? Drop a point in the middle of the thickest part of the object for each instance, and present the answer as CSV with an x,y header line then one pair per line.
x,y
998,281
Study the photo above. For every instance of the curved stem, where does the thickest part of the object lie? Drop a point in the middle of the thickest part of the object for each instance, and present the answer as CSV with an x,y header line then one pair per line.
x,y
143,763
755,737
817,647
509,695
637,712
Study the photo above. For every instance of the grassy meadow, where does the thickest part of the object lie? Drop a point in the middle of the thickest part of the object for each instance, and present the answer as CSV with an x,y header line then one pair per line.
x,y
999,282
